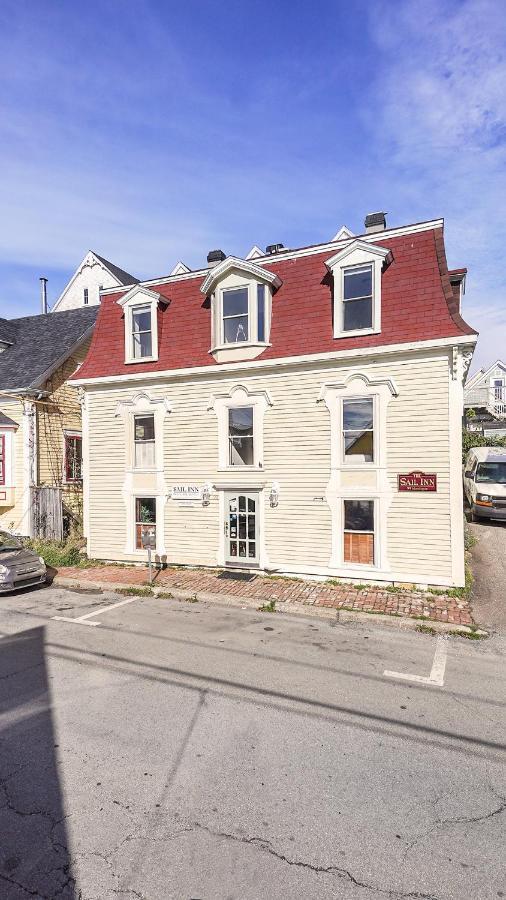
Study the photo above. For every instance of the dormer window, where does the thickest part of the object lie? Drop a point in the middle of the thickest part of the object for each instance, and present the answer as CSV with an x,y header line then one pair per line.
x,y
235,315
356,272
140,307
240,295
141,332
357,298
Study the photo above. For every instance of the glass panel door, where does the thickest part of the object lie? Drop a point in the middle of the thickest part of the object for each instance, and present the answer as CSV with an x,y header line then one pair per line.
x,y
241,528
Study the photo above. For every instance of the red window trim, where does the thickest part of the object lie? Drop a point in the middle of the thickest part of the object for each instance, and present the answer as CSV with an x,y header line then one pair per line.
x,y
2,459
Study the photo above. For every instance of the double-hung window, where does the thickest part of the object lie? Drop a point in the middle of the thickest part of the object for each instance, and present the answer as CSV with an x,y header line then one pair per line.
x,y
358,430
235,315
240,436
144,442
86,296
73,457
145,519
359,532
142,341
357,298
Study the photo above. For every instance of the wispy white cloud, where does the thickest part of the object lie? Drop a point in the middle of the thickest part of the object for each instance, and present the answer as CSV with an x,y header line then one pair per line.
x,y
440,117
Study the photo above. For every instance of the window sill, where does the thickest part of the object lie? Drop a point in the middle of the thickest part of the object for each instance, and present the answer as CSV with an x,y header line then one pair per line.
x,y
240,469
242,351
356,332
143,359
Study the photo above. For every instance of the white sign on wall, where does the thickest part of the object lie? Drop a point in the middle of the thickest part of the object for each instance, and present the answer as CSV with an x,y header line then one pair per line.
x,y
186,492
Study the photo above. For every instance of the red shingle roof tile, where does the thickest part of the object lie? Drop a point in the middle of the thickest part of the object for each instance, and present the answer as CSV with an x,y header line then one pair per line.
x,y
417,304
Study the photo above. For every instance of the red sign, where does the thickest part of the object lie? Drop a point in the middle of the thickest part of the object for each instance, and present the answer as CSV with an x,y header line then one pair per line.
x,y
417,481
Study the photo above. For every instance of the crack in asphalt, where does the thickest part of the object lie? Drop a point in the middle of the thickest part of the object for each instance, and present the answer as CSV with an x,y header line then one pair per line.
x,y
266,846
67,880
441,824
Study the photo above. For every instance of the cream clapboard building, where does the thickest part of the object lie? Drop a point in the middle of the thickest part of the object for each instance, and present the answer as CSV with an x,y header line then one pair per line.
x,y
293,412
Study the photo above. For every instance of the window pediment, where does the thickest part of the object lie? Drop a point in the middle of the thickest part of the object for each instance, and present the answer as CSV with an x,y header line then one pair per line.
x,y
247,268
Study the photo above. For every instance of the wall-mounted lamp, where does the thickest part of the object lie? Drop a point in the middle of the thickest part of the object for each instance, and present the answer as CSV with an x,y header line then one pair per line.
x,y
274,494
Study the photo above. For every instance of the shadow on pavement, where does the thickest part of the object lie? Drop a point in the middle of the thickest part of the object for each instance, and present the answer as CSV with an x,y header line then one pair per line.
x,y
34,859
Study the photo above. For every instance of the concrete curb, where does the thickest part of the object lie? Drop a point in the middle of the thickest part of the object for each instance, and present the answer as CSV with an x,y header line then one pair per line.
x,y
343,616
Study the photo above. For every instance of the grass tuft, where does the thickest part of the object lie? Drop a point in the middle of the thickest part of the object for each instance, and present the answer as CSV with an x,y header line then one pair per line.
x,y
269,607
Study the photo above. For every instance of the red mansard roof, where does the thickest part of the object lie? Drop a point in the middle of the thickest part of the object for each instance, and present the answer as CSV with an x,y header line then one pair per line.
x,y
417,304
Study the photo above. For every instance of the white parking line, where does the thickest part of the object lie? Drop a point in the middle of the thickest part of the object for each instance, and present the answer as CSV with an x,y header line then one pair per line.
x,y
84,620
437,673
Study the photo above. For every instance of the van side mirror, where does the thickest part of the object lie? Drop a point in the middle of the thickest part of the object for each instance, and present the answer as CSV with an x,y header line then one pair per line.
x,y
468,474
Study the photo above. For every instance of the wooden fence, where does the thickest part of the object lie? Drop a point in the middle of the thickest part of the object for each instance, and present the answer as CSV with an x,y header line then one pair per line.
x,y
47,513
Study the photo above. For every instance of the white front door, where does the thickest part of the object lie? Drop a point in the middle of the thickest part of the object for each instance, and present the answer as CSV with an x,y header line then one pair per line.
x,y
241,528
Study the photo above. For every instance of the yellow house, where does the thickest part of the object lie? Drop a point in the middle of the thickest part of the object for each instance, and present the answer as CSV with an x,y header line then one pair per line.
x,y
40,420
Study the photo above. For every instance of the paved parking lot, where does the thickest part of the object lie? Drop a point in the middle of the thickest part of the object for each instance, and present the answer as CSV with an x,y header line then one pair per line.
x,y
489,569
187,752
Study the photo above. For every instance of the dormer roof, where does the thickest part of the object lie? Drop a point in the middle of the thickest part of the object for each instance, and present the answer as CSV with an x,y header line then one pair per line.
x,y
372,250
234,264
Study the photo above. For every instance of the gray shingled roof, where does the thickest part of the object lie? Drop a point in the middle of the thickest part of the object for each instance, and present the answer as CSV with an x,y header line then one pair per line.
x,y
7,335
6,422
39,343
122,276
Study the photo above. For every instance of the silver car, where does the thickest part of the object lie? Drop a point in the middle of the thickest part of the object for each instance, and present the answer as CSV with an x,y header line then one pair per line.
x,y
19,567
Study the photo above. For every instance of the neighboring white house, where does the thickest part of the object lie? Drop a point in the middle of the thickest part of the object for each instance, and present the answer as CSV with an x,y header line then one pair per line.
x,y
92,275
485,393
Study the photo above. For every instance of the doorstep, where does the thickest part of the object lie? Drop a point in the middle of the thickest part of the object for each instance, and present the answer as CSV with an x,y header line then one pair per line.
x,y
341,602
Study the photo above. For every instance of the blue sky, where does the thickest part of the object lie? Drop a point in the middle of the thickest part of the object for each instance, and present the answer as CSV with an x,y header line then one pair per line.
x,y
154,131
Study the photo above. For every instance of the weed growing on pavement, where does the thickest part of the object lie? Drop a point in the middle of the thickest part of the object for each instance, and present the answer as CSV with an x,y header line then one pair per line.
x,y
135,591
393,589
269,607
426,629
165,595
470,635
192,599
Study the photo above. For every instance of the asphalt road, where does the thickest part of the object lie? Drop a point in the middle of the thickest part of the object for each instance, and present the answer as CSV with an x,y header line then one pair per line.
x,y
489,570
181,751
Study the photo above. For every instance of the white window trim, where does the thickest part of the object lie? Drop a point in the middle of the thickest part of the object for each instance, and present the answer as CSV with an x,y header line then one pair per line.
x,y
242,486
240,396
376,537
144,482
348,461
357,385
160,512
242,349
143,405
357,254
135,298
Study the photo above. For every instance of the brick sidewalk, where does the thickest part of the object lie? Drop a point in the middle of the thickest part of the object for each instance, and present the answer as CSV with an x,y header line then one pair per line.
x,y
262,589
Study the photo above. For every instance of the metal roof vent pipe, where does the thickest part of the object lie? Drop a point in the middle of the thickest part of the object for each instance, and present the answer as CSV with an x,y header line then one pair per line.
x,y
43,295
214,257
375,222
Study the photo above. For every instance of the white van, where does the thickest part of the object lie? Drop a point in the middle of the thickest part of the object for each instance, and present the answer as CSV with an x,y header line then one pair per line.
x,y
485,482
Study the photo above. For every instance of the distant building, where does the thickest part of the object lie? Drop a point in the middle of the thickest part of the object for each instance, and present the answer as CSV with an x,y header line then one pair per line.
x,y
40,419
485,395
92,275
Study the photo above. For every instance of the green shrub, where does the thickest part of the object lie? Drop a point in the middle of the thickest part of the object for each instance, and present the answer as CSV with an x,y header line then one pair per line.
x,y
56,554
473,439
